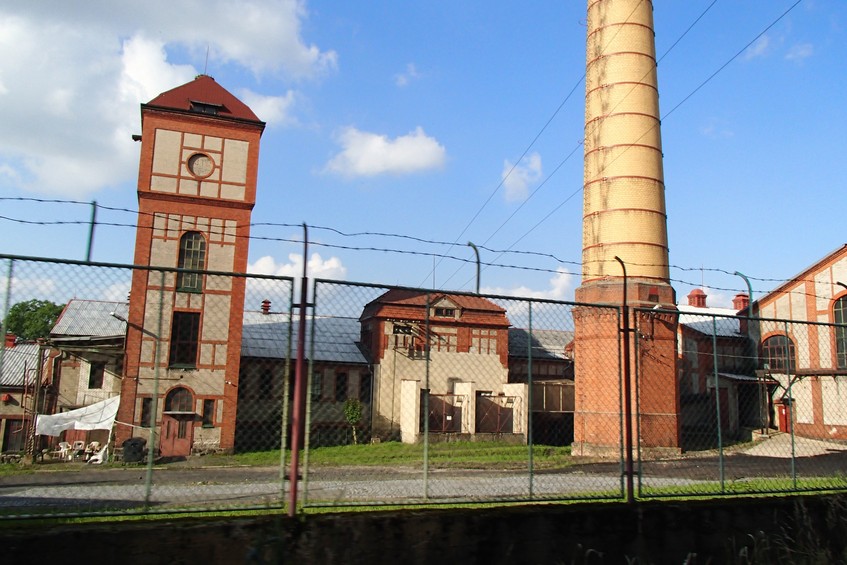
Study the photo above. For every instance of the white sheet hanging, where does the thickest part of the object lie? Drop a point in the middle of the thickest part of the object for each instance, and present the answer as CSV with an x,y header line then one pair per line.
x,y
98,416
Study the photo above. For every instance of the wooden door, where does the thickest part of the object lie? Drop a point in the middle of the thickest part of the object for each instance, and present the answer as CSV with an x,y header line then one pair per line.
x,y
177,431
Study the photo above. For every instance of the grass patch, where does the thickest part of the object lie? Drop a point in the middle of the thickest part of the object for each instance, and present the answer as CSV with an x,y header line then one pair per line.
x,y
465,455
760,486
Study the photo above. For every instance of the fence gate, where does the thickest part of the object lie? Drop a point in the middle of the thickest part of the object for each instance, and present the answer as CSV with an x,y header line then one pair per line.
x,y
444,414
495,414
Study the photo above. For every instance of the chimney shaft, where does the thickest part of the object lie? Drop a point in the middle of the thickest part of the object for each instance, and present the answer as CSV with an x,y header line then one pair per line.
x,y
10,340
266,306
624,191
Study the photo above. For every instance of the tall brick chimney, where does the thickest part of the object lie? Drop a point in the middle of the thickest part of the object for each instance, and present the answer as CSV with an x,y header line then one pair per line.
x,y
623,217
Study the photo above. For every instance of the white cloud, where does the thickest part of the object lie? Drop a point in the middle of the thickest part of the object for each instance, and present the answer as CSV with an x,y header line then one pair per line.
x,y
404,78
759,48
371,154
800,52
716,128
331,268
275,110
561,288
517,178
82,69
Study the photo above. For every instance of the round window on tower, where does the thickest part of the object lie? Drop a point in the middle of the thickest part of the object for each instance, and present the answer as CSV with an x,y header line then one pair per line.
x,y
200,165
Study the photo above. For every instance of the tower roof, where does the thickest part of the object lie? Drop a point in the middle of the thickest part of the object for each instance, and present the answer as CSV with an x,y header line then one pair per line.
x,y
204,95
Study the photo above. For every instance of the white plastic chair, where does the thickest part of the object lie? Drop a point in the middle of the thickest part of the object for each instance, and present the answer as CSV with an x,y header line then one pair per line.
x,y
100,457
64,451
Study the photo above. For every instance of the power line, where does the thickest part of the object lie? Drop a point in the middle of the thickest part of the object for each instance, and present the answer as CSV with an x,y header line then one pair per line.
x,y
496,251
581,143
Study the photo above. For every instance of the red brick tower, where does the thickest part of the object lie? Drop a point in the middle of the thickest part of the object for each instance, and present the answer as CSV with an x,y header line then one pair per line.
x,y
624,218
196,190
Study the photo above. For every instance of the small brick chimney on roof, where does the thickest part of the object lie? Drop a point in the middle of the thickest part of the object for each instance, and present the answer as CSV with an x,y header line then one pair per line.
x,y
741,301
697,298
266,306
10,340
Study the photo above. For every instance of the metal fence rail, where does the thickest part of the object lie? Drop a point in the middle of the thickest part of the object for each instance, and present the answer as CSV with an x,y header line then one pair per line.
x,y
412,396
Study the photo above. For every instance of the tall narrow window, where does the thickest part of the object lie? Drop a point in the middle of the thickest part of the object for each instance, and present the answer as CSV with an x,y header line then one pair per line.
x,y
208,413
317,386
185,333
840,311
340,387
146,411
95,375
192,255
365,381
778,353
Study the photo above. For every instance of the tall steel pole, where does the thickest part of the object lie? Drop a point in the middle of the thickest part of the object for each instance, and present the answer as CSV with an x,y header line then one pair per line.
x,y
297,417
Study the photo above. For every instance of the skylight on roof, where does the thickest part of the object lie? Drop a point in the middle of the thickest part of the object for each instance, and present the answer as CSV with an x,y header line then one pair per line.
x,y
205,108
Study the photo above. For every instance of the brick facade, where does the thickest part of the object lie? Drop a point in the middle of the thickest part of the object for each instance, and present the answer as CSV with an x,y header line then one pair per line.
x,y
197,174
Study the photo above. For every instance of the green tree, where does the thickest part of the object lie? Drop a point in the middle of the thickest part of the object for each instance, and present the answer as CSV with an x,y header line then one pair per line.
x,y
353,415
32,319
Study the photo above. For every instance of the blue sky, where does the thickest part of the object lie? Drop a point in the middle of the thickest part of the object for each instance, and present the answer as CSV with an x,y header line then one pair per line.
x,y
404,117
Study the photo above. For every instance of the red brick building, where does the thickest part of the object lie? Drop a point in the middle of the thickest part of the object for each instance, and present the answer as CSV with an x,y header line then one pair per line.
x,y
803,346
465,378
196,190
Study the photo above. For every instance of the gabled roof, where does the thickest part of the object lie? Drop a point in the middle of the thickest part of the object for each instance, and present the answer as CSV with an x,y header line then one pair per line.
x,y
204,90
419,298
814,267
546,344
335,339
17,361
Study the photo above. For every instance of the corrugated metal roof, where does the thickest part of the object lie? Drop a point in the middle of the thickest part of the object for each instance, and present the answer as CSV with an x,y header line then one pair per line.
x,y
17,361
263,335
91,318
546,344
266,336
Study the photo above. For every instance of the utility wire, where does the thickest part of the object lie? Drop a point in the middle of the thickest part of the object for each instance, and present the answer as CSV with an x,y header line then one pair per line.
x,y
296,240
581,144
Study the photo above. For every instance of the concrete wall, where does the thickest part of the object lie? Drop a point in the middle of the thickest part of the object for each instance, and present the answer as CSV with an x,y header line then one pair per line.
x,y
762,530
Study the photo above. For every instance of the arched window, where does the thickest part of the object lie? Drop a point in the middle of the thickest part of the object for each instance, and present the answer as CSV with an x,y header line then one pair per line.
x,y
778,353
179,400
840,317
192,255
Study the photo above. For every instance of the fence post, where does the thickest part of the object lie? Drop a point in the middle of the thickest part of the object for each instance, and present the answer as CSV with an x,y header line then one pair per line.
x,y
286,378
426,400
299,388
529,400
4,321
791,409
717,398
630,488
151,449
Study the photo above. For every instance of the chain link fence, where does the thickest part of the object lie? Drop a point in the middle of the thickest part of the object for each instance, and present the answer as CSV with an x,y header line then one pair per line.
x,y
161,390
